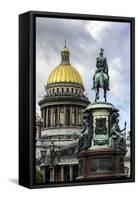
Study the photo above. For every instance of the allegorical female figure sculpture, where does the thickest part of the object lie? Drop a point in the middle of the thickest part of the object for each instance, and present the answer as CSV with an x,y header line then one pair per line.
x,y
85,138
118,139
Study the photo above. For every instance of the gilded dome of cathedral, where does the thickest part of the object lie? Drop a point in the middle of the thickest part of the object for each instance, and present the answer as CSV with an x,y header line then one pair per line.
x,y
65,72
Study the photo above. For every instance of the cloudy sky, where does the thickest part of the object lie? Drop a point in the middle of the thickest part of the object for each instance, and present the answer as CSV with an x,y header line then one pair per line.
x,y
84,39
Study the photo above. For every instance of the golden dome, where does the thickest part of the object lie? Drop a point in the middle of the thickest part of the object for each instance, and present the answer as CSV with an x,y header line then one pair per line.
x,y
65,73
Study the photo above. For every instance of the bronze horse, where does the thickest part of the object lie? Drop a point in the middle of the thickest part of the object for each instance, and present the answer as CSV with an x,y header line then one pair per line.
x,y
101,80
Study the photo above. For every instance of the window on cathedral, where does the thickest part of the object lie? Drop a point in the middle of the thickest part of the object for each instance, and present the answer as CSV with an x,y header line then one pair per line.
x,y
67,90
72,90
53,90
76,91
57,90
62,90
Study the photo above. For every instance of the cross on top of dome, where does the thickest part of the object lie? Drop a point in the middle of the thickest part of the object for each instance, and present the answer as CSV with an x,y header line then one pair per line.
x,y
65,44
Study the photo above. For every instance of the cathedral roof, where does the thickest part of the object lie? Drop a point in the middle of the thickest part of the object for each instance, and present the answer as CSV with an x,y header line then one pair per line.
x,y
65,72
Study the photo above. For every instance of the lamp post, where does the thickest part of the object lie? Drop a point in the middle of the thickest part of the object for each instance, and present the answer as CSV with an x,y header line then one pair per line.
x,y
52,164
43,154
50,158
43,160
52,153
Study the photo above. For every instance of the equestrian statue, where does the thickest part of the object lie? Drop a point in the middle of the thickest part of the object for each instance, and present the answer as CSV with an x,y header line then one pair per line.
x,y
101,77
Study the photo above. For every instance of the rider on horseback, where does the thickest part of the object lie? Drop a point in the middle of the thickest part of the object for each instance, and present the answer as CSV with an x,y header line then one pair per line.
x,y
102,66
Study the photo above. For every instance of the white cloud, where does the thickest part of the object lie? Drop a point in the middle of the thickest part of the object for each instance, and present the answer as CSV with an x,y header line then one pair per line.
x,y
96,28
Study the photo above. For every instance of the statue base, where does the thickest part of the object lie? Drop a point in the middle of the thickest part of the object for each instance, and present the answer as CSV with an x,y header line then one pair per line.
x,y
100,113
101,164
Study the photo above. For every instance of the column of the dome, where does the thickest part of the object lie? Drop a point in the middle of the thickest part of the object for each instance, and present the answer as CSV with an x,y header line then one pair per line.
x,y
79,122
49,117
73,118
76,116
52,116
46,117
54,112
64,115
81,116
58,116
70,115
43,116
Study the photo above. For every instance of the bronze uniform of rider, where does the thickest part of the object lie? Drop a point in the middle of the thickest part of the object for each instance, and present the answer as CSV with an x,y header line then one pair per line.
x,y
102,66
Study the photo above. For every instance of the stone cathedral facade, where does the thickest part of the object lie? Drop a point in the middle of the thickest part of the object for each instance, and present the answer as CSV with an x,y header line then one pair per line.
x,y
62,115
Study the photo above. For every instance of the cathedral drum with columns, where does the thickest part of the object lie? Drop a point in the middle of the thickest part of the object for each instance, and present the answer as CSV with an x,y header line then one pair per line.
x,y
62,115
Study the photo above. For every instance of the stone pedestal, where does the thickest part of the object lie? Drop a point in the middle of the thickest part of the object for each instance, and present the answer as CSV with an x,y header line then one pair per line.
x,y
100,112
101,164
101,160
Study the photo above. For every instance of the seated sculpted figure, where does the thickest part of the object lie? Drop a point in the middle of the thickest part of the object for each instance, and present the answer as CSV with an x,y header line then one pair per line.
x,y
117,137
85,138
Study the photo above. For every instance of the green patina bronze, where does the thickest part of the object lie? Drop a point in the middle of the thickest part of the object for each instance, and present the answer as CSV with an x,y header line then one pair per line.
x,y
101,77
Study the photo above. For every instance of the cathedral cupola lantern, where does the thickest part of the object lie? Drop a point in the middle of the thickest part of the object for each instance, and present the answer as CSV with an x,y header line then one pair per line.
x,y
65,55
